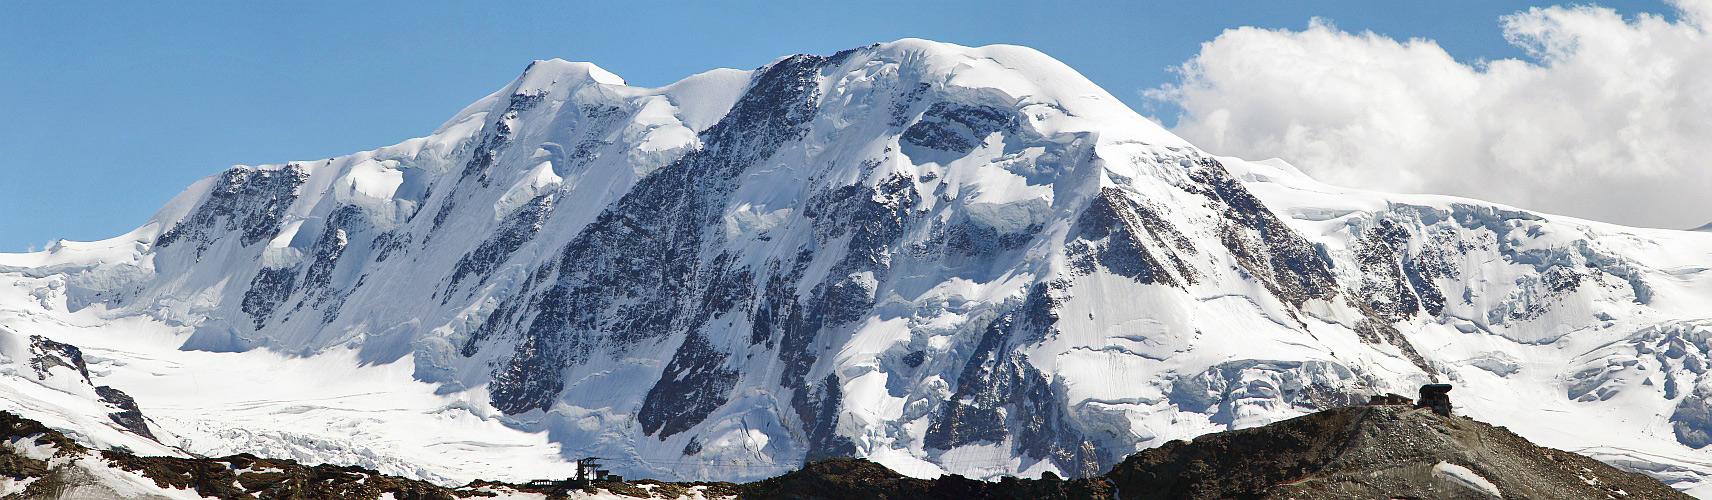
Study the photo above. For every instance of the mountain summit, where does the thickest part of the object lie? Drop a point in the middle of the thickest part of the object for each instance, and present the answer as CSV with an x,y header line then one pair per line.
x,y
944,259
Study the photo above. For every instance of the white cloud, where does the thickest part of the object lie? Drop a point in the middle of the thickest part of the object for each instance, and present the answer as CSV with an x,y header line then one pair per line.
x,y
1610,120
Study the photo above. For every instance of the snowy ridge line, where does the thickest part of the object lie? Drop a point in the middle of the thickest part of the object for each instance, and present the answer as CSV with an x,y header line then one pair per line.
x,y
951,260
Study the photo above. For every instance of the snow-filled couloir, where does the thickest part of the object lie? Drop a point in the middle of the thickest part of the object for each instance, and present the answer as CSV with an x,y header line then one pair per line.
x,y
946,259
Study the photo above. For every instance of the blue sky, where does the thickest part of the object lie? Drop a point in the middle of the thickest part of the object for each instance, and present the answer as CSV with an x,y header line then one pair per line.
x,y
107,110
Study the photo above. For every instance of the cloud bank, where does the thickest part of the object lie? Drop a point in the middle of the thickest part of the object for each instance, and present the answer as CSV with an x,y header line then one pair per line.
x,y
1611,119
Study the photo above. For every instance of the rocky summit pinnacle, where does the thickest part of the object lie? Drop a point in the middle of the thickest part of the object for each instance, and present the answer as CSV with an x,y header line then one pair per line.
x,y
945,259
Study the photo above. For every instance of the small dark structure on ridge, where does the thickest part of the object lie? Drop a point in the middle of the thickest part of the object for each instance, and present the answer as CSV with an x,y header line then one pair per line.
x,y
588,472
1435,397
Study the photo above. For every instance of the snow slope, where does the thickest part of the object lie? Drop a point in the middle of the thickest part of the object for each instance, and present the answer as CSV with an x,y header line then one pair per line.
x,y
946,259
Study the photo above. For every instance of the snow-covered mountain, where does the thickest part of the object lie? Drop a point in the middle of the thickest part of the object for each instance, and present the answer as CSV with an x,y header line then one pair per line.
x,y
946,259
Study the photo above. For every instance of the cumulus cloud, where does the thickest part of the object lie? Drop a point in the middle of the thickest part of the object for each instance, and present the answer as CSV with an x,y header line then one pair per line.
x,y
1609,119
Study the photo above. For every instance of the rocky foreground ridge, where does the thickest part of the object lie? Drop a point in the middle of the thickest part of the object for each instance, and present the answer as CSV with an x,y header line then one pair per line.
x,y
1392,451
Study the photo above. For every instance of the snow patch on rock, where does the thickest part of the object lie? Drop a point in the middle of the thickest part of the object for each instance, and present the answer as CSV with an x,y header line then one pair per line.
x,y
1458,475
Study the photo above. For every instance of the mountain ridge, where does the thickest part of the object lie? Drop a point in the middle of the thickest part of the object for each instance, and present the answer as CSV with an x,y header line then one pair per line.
x,y
947,259
1345,452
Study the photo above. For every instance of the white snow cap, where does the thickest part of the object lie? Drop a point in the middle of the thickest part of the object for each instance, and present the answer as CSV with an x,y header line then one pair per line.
x,y
540,77
543,74
1062,99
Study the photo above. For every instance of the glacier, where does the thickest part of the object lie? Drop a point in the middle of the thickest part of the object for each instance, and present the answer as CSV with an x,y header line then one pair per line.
x,y
945,259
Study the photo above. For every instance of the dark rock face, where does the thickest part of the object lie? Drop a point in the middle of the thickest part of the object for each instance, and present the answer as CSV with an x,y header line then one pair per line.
x,y
329,247
440,216
517,229
46,354
817,405
778,308
318,279
267,290
1371,452
677,287
904,102
129,415
692,386
1383,286
984,242
1433,260
245,198
498,135
879,215
1110,235
272,287
956,128
385,244
1000,394
873,219
667,216
1281,259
